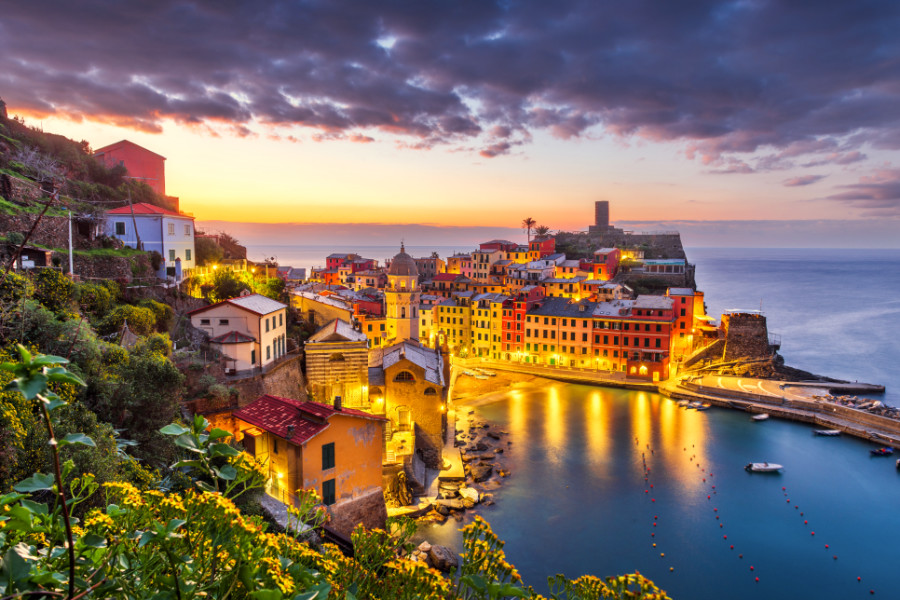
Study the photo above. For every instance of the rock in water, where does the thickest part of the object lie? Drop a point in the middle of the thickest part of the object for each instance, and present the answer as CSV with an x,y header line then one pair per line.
x,y
424,547
443,559
470,494
481,472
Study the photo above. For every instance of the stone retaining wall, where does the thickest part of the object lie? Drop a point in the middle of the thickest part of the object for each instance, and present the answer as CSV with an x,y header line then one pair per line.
x,y
52,232
285,380
368,509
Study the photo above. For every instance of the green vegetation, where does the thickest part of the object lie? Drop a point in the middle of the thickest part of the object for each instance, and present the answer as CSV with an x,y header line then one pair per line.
x,y
196,543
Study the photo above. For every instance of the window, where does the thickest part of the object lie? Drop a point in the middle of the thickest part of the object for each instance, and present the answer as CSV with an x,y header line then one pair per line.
x,y
171,228
253,356
274,445
430,392
404,376
223,321
682,312
280,319
171,255
120,228
328,492
327,456
187,254
268,352
204,321
187,230
267,324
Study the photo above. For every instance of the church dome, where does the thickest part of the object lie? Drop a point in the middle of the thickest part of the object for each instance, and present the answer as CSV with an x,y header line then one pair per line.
x,y
403,265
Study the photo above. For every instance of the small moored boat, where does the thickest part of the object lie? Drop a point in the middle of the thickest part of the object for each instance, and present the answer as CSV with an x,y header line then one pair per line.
x,y
703,406
760,417
683,403
827,432
886,451
763,467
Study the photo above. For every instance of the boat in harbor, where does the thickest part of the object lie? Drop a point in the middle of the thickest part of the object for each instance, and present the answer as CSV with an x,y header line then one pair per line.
x,y
827,432
695,405
760,417
683,403
469,373
886,451
703,406
763,467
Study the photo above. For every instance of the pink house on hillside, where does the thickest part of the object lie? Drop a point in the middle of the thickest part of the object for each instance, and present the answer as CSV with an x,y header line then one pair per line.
x,y
141,163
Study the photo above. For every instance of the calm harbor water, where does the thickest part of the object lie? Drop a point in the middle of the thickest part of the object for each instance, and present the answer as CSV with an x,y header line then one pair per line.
x,y
577,501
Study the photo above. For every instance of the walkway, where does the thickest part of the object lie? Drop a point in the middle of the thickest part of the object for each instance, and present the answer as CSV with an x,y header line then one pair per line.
x,y
615,379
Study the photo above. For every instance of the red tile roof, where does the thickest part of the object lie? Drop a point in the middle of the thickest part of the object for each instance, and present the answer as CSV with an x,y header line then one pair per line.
x,y
275,415
445,277
143,208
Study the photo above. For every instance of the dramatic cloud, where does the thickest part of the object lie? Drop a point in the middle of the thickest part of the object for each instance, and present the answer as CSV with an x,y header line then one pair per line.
x,y
816,79
803,180
878,194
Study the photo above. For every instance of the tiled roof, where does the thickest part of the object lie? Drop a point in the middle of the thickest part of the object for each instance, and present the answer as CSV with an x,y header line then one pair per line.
x,y
427,359
681,292
660,302
337,329
445,277
232,337
564,307
143,208
276,415
255,303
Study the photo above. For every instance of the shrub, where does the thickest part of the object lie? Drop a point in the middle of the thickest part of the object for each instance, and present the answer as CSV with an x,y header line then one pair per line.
x,y
165,316
15,238
140,320
158,343
206,381
94,299
53,289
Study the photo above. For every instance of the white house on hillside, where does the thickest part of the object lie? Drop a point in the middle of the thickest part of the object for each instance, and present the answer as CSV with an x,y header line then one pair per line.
x,y
165,231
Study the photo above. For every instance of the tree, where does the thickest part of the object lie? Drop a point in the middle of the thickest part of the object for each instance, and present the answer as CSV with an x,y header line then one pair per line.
x,y
225,285
541,230
208,251
528,224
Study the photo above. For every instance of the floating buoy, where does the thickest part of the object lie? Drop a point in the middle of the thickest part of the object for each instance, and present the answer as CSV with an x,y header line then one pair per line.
x,y
713,487
783,488
812,533
654,544
720,525
796,508
724,537
715,510
652,535
757,580
826,546
872,592
708,497
717,517
651,485
654,524
671,569
835,557
652,499
859,578
662,554
740,556
655,517
732,547
788,500
801,514
804,522
751,567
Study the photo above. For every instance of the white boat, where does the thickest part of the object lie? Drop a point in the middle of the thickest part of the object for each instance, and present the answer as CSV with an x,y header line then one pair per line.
x,y
481,377
469,373
683,403
695,405
827,432
703,406
488,373
763,467
760,417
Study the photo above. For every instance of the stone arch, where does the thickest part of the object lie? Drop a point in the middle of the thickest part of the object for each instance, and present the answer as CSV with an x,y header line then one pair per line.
x,y
404,377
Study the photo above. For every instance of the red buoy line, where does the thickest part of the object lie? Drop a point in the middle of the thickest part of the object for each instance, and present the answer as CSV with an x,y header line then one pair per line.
x,y
647,488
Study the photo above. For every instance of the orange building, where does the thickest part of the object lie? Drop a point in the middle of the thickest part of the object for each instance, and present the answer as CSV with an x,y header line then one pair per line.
x,y
336,451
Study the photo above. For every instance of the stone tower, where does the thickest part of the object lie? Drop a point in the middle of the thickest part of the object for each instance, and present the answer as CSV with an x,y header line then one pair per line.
x,y
401,297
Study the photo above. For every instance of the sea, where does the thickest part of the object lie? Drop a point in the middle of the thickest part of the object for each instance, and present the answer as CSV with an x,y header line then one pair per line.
x,y
607,481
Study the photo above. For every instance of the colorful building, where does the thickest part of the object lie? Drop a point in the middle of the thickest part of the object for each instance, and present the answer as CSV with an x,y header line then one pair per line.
x,y
334,450
141,164
156,229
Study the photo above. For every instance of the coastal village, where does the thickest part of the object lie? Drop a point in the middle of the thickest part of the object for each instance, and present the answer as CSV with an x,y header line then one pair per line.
x,y
351,379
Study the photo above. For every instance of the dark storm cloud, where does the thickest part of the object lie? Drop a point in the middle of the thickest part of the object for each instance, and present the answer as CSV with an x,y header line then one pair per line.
x,y
816,79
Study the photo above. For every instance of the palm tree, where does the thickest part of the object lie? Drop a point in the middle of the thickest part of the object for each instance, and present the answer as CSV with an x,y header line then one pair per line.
x,y
528,224
541,230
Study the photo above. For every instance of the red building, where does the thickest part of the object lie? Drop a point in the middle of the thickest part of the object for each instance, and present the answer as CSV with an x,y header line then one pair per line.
x,y
541,247
606,263
512,328
141,163
504,245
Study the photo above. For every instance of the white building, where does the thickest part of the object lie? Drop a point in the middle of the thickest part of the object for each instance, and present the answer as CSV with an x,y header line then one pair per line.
x,y
165,231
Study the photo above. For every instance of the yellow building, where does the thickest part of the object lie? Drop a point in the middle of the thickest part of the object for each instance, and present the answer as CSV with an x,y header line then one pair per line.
x,y
401,298
337,365
306,445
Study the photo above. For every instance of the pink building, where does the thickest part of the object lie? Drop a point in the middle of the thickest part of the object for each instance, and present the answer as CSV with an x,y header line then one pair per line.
x,y
141,163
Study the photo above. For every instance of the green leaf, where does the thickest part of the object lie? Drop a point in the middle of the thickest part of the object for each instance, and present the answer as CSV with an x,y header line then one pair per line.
x,y
187,441
188,463
227,472
53,402
24,354
174,524
307,596
61,375
36,507
173,429
48,359
93,540
35,483
205,486
267,595
219,433
222,450
146,537
77,438
15,564
31,386
476,582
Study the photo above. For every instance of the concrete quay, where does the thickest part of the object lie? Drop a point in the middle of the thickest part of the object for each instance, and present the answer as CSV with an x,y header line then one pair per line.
x,y
569,375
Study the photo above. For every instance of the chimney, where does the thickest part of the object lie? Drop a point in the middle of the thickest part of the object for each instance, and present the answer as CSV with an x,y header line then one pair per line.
x,y
337,403
290,430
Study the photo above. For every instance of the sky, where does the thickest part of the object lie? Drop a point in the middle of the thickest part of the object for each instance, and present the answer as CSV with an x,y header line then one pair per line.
x,y
773,122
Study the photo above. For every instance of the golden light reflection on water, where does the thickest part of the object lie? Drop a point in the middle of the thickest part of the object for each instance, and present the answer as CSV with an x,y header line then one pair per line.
x,y
517,415
676,436
554,424
598,430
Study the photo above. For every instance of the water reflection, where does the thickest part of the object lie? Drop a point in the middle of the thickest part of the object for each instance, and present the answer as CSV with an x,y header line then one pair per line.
x,y
554,425
598,432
